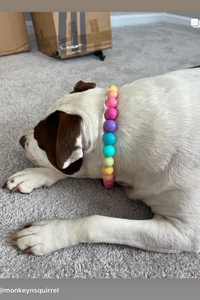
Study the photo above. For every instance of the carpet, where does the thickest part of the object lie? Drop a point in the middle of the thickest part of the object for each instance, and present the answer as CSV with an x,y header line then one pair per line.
x,y
29,84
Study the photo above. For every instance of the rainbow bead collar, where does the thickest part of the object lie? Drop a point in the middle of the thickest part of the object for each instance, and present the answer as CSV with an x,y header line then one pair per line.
x,y
109,137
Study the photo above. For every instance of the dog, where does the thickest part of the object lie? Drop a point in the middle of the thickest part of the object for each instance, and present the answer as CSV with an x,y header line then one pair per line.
x,y
157,160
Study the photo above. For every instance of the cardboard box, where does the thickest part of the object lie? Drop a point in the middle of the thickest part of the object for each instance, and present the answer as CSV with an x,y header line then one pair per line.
x,y
13,33
71,34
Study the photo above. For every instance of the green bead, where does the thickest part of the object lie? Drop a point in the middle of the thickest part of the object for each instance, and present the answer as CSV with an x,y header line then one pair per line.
x,y
108,161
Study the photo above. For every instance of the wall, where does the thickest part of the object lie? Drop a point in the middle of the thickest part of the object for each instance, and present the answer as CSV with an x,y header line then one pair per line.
x,y
185,14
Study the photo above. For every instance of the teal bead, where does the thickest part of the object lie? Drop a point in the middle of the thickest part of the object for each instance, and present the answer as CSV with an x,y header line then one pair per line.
x,y
108,150
109,138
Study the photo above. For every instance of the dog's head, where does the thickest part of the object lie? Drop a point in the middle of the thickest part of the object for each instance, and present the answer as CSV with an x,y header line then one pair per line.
x,y
58,140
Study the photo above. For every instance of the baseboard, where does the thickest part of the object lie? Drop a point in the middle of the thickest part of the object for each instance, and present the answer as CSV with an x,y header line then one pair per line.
x,y
136,19
147,18
176,19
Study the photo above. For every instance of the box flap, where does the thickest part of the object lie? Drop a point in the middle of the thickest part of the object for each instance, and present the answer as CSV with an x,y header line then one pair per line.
x,y
13,33
45,32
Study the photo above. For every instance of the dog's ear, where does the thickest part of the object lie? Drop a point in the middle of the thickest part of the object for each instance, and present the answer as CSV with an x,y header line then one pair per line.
x,y
83,86
60,136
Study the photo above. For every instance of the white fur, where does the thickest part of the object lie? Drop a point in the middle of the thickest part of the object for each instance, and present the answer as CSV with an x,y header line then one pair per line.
x,y
157,159
78,153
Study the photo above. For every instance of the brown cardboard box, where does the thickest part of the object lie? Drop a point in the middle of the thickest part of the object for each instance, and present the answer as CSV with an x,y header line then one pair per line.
x,y
71,34
13,33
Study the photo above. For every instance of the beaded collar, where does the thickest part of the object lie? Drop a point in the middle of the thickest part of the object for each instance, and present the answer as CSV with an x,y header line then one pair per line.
x,y
109,137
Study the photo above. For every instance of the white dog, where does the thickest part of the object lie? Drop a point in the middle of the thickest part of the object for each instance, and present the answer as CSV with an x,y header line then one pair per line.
x,y
157,160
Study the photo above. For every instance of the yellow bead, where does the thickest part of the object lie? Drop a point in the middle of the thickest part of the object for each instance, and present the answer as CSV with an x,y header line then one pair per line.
x,y
112,88
107,170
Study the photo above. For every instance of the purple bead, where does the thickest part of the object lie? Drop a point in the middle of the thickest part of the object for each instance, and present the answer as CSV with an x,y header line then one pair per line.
x,y
110,126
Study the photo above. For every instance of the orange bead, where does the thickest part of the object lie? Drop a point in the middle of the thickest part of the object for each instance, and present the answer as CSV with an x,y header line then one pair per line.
x,y
108,177
112,94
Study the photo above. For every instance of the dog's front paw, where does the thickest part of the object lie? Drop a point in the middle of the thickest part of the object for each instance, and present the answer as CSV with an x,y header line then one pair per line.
x,y
42,237
29,179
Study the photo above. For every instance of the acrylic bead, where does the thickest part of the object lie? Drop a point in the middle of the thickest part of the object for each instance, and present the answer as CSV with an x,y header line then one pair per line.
x,y
107,170
109,182
110,126
108,161
112,88
108,150
111,102
108,177
109,138
108,186
112,94
111,113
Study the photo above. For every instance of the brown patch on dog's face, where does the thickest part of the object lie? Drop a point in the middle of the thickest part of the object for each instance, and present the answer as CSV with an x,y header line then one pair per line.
x,y
83,86
57,136
60,136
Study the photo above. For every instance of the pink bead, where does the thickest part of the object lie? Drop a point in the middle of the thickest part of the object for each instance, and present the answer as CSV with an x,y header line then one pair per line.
x,y
109,182
111,102
108,186
111,114
112,94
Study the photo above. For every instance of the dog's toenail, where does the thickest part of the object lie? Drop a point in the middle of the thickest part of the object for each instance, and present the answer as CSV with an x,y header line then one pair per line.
x,y
28,250
15,190
4,185
28,225
22,141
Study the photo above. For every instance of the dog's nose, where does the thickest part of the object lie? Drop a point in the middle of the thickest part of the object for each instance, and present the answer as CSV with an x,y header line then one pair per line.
x,y
22,141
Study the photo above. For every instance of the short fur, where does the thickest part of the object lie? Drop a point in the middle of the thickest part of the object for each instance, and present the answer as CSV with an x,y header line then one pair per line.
x,y
157,159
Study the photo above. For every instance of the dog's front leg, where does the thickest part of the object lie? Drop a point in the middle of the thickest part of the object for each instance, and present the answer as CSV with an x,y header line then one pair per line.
x,y
31,178
158,234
